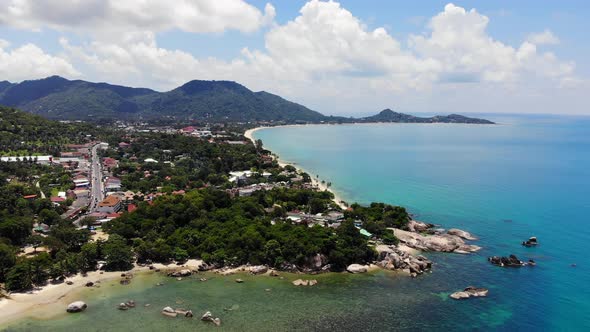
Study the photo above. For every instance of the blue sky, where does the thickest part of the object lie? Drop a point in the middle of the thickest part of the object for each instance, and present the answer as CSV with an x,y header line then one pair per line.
x,y
345,57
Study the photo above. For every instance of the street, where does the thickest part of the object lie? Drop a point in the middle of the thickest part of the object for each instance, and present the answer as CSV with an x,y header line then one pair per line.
x,y
96,192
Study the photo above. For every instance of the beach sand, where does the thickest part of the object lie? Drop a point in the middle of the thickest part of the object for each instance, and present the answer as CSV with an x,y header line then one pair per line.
x,y
51,300
249,134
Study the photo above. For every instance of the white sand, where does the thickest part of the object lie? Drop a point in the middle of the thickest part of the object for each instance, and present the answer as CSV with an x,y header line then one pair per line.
x,y
315,181
52,300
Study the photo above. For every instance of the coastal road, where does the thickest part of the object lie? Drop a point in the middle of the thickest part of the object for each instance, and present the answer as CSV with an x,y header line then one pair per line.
x,y
96,191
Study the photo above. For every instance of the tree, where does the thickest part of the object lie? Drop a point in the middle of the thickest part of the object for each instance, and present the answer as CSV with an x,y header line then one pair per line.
x,y
35,241
7,259
258,144
118,254
19,277
88,257
272,253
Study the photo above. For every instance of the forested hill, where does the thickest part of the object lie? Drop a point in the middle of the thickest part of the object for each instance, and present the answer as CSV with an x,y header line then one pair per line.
x,y
27,134
212,101
58,98
388,115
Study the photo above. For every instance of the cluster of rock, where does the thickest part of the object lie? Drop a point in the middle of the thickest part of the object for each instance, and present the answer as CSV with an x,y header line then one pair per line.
x,y
510,261
301,282
77,306
180,273
452,240
392,258
126,278
468,292
168,311
126,305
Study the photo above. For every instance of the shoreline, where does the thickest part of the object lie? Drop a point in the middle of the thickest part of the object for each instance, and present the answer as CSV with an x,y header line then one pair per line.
x,y
51,300
249,134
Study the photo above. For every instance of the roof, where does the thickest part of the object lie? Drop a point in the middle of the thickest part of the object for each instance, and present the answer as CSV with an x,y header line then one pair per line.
x,y
110,201
56,199
131,207
29,196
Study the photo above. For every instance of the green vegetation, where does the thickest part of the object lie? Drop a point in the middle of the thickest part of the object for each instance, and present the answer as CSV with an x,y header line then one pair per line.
x,y
28,135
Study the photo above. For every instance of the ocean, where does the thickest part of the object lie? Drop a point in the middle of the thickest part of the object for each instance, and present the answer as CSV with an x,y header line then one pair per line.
x,y
526,176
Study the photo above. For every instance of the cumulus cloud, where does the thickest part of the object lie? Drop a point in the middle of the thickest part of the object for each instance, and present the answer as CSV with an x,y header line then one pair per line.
x,y
154,15
29,61
325,53
543,38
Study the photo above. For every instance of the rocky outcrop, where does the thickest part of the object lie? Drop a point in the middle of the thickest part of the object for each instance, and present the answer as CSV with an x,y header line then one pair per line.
x,y
391,258
462,234
418,226
510,261
441,243
77,306
468,292
357,268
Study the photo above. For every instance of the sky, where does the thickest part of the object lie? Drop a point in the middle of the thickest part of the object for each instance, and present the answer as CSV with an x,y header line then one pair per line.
x,y
344,57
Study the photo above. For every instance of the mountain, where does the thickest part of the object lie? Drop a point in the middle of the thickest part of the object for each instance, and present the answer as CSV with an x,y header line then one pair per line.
x,y
388,115
58,98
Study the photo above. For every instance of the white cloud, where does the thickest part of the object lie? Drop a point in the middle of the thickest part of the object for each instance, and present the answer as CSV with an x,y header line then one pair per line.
x,y
96,16
543,38
328,57
29,61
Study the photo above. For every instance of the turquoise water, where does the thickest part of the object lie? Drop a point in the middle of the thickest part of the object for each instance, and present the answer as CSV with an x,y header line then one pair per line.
x,y
528,176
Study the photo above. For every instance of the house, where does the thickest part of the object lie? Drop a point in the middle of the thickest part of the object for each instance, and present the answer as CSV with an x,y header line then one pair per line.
x,y
131,208
81,181
124,145
110,163
57,200
112,184
111,204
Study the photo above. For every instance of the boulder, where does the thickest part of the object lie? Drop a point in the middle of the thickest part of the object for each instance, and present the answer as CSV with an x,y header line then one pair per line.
x,y
418,226
300,282
168,311
180,273
357,268
531,242
469,292
274,273
208,317
122,306
312,282
239,281
130,304
77,306
69,282
258,269
461,233
89,284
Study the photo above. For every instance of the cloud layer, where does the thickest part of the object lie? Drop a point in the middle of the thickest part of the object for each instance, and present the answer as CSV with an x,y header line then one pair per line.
x,y
322,53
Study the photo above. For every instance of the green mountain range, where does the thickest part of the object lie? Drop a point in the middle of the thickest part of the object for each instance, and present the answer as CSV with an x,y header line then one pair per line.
x,y
226,101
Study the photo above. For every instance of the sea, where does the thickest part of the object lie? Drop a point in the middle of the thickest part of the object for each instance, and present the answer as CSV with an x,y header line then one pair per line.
x,y
528,175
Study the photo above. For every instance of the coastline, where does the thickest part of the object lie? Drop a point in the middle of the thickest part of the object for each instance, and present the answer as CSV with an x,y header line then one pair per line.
x,y
51,300
249,134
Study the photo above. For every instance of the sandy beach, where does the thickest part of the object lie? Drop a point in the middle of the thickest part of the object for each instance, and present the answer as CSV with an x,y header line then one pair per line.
x,y
249,134
51,300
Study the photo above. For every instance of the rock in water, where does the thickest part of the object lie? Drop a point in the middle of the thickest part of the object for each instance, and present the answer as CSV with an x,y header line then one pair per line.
x,y
357,268
123,306
468,292
239,281
168,311
77,306
531,242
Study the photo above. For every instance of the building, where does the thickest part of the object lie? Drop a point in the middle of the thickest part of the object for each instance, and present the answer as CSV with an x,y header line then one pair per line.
x,y
111,204
44,160
112,184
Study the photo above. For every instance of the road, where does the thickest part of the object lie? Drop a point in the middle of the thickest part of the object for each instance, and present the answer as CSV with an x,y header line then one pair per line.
x,y
96,190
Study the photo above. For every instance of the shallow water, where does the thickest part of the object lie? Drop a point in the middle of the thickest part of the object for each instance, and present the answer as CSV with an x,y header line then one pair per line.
x,y
528,176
